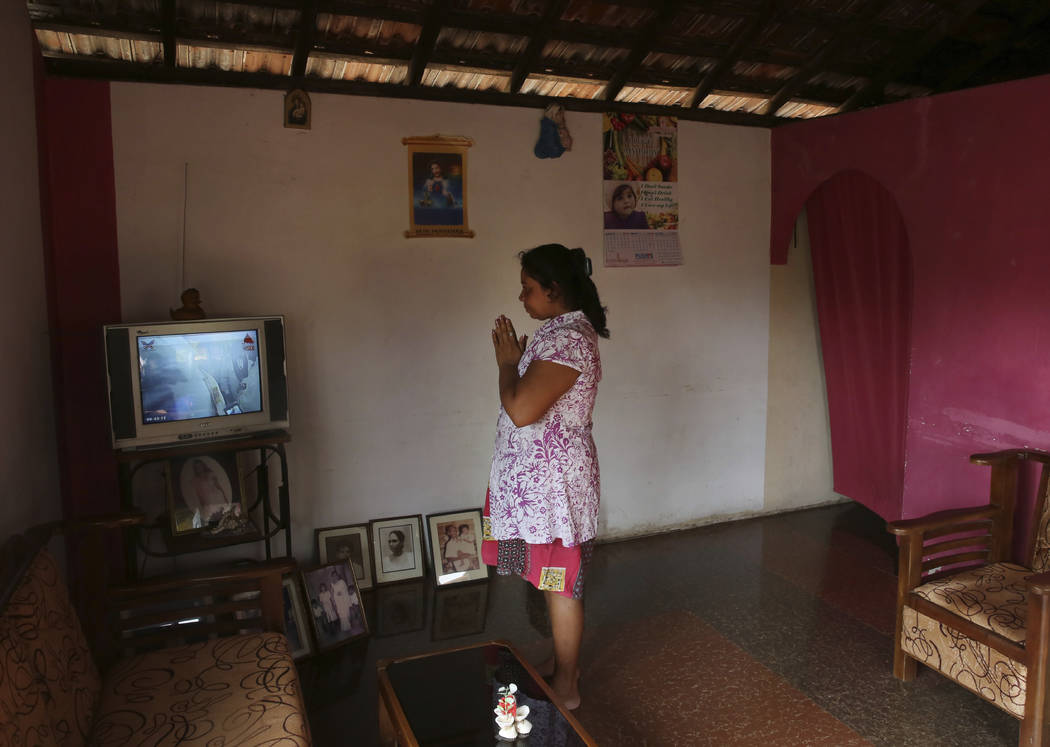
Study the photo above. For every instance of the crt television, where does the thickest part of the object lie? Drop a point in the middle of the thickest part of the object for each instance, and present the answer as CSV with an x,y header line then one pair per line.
x,y
181,382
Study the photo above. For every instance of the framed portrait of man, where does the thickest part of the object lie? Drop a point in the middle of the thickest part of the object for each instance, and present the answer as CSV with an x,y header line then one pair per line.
x,y
398,544
349,543
437,186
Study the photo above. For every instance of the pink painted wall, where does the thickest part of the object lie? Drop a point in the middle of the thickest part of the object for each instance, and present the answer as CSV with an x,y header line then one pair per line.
x,y
969,173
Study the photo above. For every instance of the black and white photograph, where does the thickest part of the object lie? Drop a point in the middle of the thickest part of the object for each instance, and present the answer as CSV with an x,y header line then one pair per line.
x,y
460,611
398,545
349,543
336,613
455,547
203,490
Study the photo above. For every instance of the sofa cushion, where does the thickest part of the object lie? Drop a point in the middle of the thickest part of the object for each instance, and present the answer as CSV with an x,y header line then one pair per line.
x,y
993,596
242,689
977,667
46,658
23,697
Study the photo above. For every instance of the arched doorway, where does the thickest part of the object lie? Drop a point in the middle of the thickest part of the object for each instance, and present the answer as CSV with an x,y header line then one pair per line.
x,y
862,276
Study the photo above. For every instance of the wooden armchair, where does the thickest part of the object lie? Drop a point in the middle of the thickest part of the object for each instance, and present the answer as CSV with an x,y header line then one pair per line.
x,y
971,611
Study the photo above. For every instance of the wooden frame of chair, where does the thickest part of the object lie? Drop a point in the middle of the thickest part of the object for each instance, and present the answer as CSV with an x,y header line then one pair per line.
x,y
947,542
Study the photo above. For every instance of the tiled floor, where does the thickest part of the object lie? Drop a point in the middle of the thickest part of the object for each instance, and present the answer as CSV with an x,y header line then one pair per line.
x,y
771,631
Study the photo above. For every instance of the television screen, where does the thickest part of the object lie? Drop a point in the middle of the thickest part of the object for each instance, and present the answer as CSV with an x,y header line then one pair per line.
x,y
201,375
184,381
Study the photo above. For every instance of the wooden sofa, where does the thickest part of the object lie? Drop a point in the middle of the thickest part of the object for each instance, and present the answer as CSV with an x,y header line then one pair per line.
x,y
194,659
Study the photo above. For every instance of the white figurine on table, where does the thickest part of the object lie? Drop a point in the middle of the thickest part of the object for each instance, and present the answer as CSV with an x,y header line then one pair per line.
x,y
510,717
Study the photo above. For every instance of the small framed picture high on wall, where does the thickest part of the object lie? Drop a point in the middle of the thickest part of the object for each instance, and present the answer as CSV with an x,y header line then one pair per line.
x,y
399,553
437,186
348,543
455,547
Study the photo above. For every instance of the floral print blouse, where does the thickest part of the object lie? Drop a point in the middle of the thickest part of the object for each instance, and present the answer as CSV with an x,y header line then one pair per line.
x,y
544,482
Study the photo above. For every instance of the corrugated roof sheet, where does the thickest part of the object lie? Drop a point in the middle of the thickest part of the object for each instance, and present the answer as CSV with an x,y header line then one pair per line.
x,y
478,43
92,45
575,88
469,78
658,95
369,71
234,60
375,31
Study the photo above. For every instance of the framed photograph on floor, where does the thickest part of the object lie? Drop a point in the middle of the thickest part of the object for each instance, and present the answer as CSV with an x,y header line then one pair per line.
x,y
336,613
455,547
348,543
399,548
401,609
202,490
296,628
460,611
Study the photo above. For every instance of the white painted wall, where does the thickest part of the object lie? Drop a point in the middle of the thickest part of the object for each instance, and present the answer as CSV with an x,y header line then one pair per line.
x,y
393,385
28,451
798,435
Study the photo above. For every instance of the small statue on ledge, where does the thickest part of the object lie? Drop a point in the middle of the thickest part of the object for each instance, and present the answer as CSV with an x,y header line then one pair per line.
x,y
232,522
511,717
191,306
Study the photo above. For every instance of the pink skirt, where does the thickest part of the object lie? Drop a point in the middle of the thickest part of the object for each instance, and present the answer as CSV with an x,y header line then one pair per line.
x,y
549,567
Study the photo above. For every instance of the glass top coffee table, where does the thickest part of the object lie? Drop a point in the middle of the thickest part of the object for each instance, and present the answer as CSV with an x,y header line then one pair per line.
x,y
448,697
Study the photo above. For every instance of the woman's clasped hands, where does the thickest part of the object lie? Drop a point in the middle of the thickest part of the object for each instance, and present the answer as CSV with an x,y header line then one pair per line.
x,y
508,347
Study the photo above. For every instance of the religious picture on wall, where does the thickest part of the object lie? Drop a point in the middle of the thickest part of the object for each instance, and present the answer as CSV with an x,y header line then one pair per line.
x,y
437,186
297,109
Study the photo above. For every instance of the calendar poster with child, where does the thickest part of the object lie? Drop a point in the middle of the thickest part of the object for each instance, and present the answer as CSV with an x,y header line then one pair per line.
x,y
640,190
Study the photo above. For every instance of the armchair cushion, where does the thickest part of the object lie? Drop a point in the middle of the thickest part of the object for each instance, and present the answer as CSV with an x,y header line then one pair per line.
x,y
237,690
973,665
992,596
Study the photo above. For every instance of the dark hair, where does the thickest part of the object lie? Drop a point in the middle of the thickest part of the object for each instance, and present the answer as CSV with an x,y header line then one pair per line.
x,y
567,270
619,191
398,533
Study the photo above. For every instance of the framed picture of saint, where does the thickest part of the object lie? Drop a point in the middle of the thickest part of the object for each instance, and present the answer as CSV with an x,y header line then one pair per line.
x,y
437,186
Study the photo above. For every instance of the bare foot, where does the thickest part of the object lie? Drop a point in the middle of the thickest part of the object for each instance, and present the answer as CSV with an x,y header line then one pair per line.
x,y
567,689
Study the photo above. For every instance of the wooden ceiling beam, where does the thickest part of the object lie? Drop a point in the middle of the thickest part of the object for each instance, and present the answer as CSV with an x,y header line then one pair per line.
x,y
167,31
537,41
115,70
304,38
904,59
818,61
654,28
1018,31
432,23
750,31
